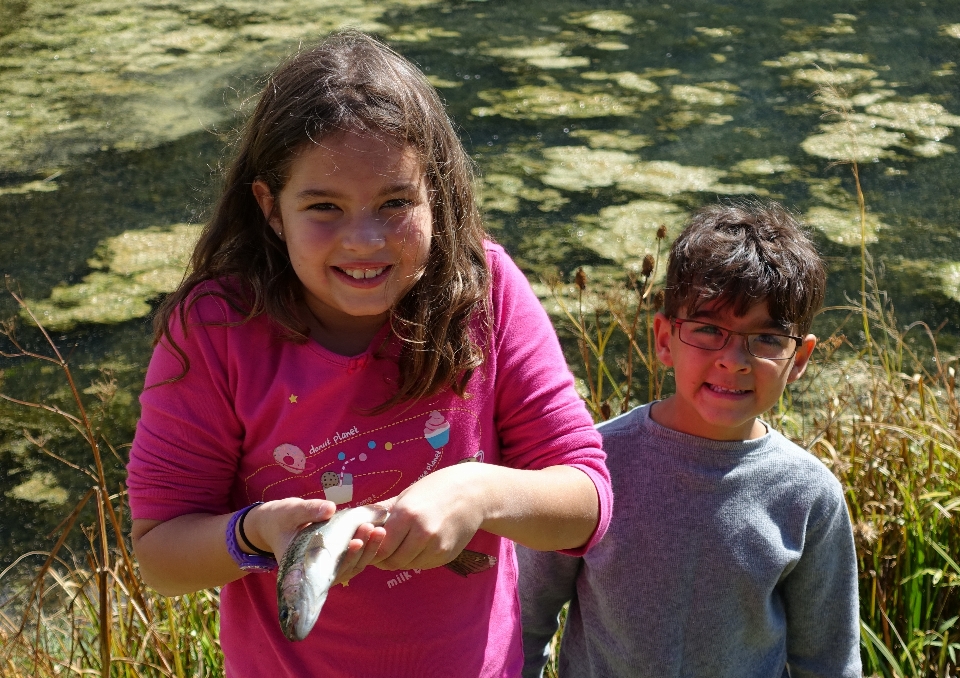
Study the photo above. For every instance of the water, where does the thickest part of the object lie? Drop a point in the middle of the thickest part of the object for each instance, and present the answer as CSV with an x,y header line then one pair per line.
x,y
592,123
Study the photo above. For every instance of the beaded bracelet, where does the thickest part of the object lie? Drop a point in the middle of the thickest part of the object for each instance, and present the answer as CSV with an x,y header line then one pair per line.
x,y
247,562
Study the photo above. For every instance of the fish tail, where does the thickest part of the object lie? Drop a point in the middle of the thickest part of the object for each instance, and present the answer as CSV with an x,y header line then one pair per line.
x,y
471,562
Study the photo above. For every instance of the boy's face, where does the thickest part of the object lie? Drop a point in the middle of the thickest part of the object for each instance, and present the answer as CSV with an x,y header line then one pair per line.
x,y
721,393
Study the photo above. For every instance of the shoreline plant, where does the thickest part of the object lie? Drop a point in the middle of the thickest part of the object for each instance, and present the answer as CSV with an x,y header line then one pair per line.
x,y
88,612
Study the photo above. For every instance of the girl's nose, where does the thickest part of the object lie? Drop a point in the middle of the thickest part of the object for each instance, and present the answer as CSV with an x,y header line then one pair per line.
x,y
366,233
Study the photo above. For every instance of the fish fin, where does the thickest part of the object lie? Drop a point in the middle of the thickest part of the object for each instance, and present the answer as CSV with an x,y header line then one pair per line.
x,y
471,562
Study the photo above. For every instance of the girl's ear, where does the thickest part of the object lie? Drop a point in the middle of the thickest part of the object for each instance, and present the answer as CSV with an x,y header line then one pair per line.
x,y
662,332
264,197
802,359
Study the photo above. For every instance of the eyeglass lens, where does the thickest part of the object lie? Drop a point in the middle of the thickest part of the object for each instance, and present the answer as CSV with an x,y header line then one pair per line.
x,y
713,338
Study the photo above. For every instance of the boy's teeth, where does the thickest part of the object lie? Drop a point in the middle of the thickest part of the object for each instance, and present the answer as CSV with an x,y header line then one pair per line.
x,y
360,273
721,389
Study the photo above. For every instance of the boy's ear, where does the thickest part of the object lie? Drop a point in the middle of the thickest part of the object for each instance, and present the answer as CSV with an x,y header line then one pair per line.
x,y
662,331
264,197
802,358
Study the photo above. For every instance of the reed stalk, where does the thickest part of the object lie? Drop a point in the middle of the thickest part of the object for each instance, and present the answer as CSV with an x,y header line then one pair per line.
x,y
88,613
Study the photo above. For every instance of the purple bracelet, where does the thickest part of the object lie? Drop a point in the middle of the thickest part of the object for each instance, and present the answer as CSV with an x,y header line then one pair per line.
x,y
246,561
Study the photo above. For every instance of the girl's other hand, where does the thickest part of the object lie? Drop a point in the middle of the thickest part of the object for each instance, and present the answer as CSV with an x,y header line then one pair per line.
x,y
432,521
361,551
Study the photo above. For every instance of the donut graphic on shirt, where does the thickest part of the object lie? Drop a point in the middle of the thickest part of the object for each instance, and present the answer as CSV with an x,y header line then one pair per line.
x,y
290,457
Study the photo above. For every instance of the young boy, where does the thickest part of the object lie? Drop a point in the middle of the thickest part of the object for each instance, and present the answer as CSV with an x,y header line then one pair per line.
x,y
730,552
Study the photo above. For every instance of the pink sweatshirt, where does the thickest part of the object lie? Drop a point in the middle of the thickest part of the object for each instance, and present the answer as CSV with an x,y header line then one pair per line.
x,y
258,418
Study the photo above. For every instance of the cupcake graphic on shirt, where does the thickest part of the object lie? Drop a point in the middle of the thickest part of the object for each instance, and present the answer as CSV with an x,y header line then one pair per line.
x,y
337,488
437,430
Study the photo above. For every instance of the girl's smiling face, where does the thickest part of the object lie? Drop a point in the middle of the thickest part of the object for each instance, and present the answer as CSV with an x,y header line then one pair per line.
x,y
356,217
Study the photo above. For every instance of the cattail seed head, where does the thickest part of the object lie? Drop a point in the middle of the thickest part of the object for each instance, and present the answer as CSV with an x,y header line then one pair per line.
x,y
661,232
581,279
647,268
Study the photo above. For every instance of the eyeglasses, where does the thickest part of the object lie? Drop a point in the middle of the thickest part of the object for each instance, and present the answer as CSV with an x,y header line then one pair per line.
x,y
759,344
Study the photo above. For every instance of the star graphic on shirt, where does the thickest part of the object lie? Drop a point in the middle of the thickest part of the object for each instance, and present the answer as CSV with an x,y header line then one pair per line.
x,y
293,399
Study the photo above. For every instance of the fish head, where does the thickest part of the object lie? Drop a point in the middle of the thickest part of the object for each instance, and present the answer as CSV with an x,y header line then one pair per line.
x,y
303,591
291,603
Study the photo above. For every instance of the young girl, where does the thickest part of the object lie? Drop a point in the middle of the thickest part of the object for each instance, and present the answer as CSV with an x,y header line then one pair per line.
x,y
347,336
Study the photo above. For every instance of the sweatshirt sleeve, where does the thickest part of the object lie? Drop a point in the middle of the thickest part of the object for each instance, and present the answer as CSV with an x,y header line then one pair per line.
x,y
821,598
187,446
547,582
541,419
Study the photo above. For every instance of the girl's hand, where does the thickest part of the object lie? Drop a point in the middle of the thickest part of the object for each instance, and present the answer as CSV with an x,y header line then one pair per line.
x,y
431,521
273,525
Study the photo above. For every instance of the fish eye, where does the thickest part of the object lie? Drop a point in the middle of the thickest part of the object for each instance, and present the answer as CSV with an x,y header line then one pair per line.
x,y
284,615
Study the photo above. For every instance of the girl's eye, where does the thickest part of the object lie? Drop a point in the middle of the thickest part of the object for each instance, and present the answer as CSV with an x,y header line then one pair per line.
x,y
396,204
322,206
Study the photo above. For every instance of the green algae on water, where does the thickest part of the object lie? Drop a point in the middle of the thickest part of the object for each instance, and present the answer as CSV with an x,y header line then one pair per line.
x,y
131,269
40,186
536,102
625,233
409,33
611,46
579,168
843,226
810,57
546,55
622,140
764,166
40,488
99,75
697,95
503,193
917,126
868,125
626,79
608,20
718,32
951,30
442,83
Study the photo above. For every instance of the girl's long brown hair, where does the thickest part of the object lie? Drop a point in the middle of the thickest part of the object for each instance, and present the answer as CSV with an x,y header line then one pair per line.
x,y
349,82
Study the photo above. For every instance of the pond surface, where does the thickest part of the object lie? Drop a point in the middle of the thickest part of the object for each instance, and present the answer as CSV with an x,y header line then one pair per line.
x,y
592,124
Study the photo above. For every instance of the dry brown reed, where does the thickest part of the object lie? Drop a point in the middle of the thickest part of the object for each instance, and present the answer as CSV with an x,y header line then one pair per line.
x,y
89,613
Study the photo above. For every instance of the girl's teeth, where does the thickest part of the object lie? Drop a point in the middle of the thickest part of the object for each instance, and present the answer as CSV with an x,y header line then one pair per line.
x,y
360,274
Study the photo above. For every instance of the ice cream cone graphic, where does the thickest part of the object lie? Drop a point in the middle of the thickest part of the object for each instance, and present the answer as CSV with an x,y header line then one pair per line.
x,y
437,430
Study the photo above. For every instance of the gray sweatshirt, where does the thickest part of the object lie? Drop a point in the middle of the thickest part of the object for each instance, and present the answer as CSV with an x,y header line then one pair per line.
x,y
723,559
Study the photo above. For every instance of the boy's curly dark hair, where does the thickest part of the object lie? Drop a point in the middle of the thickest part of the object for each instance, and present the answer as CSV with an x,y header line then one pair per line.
x,y
744,253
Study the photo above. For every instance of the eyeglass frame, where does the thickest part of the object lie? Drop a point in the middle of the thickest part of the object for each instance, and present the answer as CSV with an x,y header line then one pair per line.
x,y
676,322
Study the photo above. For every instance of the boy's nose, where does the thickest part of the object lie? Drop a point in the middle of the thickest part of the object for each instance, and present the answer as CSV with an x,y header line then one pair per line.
x,y
735,356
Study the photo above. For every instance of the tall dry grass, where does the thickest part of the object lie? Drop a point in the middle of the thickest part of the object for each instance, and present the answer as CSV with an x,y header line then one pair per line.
x,y
87,612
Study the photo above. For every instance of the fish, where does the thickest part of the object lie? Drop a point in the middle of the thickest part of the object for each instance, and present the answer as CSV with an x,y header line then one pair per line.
x,y
309,566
